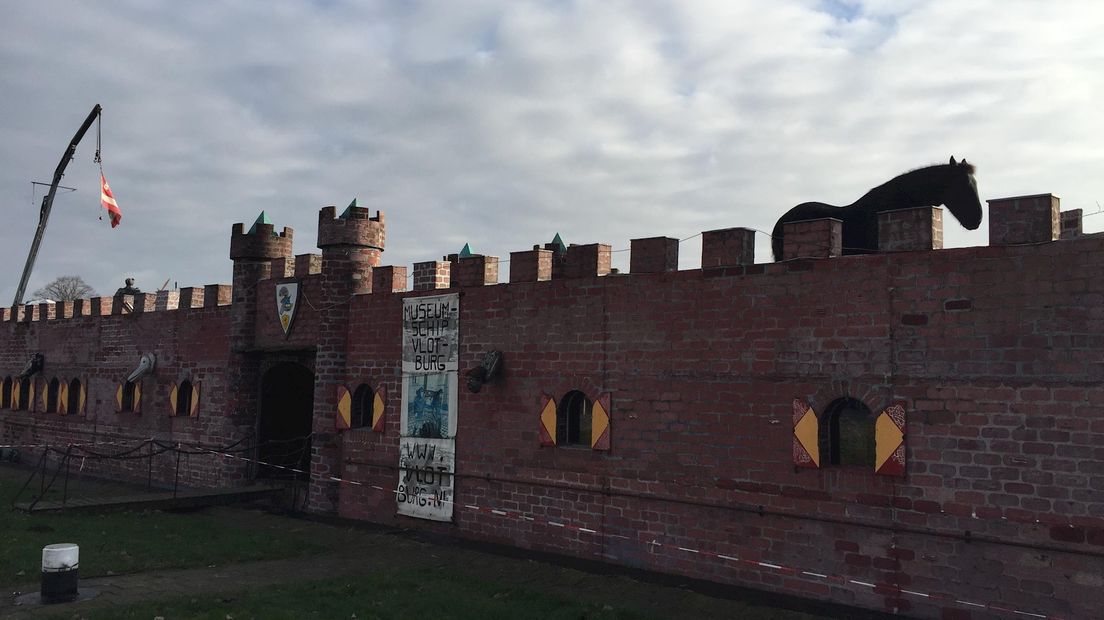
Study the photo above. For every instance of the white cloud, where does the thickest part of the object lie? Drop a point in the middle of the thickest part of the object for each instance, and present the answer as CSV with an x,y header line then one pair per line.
x,y
502,123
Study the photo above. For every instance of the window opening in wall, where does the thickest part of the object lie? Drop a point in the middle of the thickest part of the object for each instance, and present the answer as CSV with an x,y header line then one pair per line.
x,y
52,396
74,404
184,399
362,406
573,420
850,432
128,396
25,394
5,398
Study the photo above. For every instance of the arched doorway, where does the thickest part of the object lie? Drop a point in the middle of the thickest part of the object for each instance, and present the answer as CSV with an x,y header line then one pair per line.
x,y
284,427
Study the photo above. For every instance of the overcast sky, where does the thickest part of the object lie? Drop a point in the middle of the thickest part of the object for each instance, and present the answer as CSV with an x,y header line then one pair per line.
x,y
500,124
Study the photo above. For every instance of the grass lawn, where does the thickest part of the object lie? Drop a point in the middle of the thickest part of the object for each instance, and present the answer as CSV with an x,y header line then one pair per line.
x,y
402,594
127,542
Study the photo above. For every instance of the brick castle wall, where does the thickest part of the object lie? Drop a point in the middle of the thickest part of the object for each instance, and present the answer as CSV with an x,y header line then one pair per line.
x,y
993,350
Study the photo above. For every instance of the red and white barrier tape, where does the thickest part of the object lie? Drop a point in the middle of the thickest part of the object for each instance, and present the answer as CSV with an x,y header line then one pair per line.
x,y
885,588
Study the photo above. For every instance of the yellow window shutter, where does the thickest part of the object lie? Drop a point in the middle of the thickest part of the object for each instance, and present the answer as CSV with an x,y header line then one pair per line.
x,y
600,422
379,403
172,398
547,420
194,411
889,441
118,398
806,436
63,397
344,418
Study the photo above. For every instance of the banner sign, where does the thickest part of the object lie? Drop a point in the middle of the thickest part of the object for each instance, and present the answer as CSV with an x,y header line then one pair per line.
x,y
427,442
430,331
426,468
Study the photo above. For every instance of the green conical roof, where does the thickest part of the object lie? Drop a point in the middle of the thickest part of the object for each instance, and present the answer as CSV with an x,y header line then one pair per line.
x,y
466,251
345,213
556,241
261,219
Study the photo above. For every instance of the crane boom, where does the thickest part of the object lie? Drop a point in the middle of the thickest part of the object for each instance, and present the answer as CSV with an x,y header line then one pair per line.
x,y
48,202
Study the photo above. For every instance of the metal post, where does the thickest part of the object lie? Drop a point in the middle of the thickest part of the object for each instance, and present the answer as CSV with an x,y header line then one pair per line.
x,y
176,478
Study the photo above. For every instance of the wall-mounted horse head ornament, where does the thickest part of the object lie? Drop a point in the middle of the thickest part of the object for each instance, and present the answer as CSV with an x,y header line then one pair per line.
x,y
949,184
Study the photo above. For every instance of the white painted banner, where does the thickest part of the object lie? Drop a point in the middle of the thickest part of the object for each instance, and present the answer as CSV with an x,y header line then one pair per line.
x,y
427,444
430,333
426,468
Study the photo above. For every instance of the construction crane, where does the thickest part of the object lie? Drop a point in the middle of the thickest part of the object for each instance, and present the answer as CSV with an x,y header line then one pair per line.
x,y
48,202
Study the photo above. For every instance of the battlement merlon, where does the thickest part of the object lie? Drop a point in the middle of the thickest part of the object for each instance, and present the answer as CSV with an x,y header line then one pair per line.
x,y
355,228
263,244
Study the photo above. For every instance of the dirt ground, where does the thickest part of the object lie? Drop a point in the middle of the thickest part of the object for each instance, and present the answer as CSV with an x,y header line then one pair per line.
x,y
376,549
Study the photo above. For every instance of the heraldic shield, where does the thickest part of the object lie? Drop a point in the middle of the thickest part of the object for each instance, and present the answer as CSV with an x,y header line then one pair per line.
x,y
287,299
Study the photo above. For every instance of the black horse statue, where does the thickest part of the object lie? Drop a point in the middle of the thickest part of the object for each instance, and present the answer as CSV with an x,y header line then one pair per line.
x,y
950,184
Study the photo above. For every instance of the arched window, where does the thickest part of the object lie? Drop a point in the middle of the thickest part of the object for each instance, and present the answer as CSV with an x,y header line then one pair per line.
x,y
74,404
573,420
184,399
362,406
25,395
52,396
128,396
850,432
6,396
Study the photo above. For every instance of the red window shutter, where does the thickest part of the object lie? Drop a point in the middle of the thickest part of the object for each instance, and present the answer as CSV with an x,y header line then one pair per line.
x,y
547,420
137,398
83,396
600,422
806,436
344,417
889,441
379,404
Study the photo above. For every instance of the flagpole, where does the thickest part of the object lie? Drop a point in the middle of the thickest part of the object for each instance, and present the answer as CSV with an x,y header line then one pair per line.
x,y
48,203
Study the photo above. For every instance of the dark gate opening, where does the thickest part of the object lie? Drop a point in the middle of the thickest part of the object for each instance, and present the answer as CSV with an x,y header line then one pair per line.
x,y
284,428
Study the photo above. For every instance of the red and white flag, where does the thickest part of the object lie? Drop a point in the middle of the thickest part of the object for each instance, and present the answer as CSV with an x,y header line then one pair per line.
x,y
108,202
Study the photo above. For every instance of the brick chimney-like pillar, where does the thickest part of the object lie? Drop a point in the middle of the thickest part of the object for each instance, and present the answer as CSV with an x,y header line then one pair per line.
x,y
907,230
822,238
653,255
1024,219
727,247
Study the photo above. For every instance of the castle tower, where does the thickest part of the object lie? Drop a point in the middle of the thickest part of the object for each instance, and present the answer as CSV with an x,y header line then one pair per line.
x,y
252,252
351,246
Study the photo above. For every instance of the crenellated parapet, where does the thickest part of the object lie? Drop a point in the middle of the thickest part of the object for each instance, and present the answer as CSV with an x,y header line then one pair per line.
x,y
355,228
261,242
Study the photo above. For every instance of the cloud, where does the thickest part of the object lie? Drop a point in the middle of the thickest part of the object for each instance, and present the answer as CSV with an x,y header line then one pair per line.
x,y
503,123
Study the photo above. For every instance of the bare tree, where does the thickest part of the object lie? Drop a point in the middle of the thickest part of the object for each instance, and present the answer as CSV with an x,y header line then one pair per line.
x,y
65,288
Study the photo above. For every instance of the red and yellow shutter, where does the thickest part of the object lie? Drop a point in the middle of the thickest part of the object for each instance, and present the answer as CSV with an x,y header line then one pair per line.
x,y
600,422
193,412
344,417
83,396
889,441
379,402
137,406
118,398
15,389
547,420
63,397
173,394
806,436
